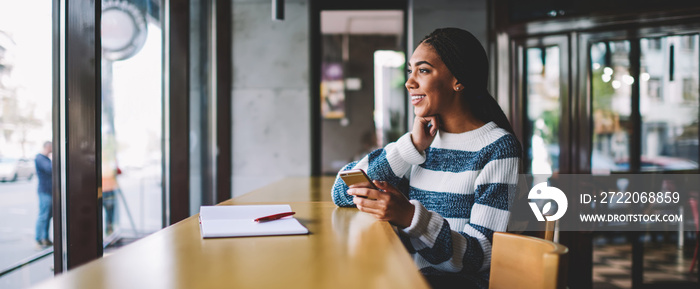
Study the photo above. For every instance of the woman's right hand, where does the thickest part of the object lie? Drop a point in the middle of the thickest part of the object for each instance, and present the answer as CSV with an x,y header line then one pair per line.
x,y
422,135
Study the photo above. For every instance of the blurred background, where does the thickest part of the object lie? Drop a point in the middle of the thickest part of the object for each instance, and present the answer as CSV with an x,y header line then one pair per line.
x,y
591,87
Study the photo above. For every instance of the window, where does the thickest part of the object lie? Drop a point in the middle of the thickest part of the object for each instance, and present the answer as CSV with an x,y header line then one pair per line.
x,y
611,89
25,126
131,119
664,95
669,122
543,109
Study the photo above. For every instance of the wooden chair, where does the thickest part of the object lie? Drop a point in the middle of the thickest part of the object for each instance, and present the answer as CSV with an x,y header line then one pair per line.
x,y
525,262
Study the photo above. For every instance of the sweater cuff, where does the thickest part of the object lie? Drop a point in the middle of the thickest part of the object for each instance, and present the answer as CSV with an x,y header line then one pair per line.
x,y
421,222
408,151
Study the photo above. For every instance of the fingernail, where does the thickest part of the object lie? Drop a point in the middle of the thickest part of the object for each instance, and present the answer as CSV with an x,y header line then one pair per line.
x,y
433,132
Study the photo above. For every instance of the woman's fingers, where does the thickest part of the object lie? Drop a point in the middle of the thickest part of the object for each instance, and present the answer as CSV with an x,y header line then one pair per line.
x,y
369,198
394,206
424,131
387,187
373,207
434,124
363,193
424,124
386,204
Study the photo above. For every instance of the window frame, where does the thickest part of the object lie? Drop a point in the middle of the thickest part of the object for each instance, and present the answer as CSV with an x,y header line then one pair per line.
x,y
76,129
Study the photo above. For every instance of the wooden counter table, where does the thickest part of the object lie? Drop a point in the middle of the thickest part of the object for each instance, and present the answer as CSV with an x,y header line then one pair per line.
x,y
345,249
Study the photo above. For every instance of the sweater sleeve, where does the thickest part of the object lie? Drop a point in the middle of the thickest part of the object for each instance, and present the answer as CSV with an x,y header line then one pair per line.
x,y
390,164
467,249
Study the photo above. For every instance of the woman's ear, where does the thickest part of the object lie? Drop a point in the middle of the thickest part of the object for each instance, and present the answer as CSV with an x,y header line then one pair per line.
x,y
458,86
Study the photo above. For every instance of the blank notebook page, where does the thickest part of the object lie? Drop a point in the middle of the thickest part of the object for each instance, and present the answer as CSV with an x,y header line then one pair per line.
x,y
237,221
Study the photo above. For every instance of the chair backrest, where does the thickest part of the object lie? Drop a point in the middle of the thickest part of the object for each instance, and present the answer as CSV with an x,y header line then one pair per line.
x,y
549,230
519,261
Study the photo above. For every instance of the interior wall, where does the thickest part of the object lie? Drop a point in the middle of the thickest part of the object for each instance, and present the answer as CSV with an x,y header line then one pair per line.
x,y
270,96
470,15
271,122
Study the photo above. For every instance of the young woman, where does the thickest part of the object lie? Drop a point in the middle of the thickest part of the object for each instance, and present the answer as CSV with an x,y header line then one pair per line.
x,y
445,184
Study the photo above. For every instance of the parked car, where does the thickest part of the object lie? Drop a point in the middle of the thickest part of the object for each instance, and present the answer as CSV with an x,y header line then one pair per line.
x,y
12,169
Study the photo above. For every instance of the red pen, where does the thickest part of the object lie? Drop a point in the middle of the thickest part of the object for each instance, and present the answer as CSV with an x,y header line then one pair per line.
x,y
274,217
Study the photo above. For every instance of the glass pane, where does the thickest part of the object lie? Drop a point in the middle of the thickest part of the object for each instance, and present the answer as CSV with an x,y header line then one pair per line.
x,y
131,119
611,86
669,103
543,109
389,95
25,126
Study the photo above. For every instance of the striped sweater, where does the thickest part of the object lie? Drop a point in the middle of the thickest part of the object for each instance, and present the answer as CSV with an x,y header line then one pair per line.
x,y
459,187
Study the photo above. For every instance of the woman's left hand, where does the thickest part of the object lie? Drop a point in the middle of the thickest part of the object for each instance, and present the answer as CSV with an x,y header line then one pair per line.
x,y
386,204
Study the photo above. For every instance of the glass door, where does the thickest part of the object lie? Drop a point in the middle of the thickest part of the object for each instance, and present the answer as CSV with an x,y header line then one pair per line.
x,y
544,98
645,118
612,129
644,115
668,103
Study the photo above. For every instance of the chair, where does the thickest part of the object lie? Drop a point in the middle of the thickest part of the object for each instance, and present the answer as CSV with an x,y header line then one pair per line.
x,y
545,230
525,262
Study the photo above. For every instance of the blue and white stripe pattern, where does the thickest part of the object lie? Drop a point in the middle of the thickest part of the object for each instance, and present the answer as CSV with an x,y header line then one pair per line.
x,y
459,187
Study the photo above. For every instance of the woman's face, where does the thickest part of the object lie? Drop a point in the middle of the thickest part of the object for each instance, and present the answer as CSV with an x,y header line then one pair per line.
x,y
431,86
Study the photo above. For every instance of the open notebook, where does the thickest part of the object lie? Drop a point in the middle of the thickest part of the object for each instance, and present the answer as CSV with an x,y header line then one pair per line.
x,y
237,221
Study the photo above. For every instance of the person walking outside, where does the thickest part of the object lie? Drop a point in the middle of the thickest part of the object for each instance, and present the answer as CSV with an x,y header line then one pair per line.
x,y
43,172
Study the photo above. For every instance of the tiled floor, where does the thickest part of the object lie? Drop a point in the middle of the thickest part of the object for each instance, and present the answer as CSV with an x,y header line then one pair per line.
x,y
663,263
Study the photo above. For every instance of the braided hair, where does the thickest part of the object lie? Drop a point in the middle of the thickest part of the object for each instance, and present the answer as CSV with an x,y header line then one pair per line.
x,y
464,56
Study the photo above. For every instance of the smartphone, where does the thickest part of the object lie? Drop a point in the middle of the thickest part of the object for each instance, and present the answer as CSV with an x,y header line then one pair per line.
x,y
357,177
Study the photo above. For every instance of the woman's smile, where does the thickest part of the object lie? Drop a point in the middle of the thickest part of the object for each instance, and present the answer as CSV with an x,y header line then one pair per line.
x,y
416,98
